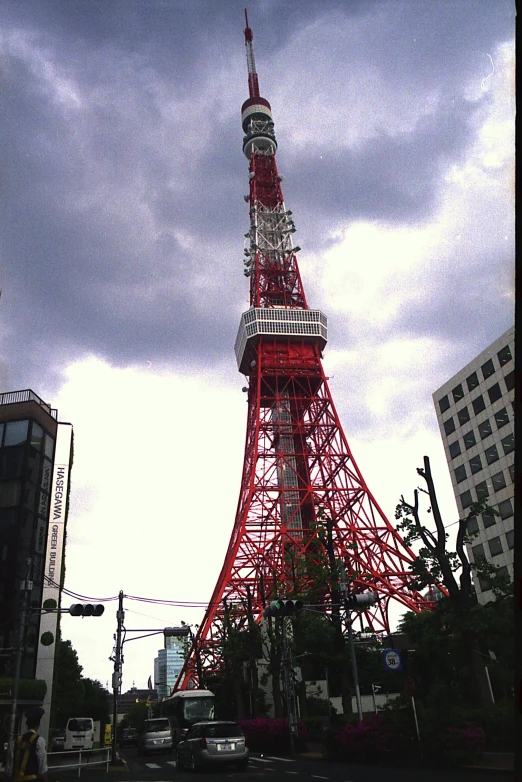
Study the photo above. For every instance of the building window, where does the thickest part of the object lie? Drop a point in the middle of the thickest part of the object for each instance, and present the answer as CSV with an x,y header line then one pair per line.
x,y
465,499
485,429
494,393
504,356
478,404
444,404
472,381
510,538
482,490
495,546
491,454
508,443
505,508
469,439
511,469
463,416
458,393
498,481
15,432
454,449
478,552
488,520
488,369
484,584
10,492
460,473
472,526
475,465
510,381
501,418
449,426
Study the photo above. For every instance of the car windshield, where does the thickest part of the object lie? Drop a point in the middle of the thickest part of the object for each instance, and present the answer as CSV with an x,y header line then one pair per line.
x,y
79,724
198,709
155,725
223,731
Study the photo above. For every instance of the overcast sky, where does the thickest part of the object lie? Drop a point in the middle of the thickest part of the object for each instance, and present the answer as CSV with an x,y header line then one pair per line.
x,y
121,247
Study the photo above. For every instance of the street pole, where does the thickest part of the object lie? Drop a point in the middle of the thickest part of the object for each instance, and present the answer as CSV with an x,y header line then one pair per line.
x,y
354,665
289,692
26,587
116,676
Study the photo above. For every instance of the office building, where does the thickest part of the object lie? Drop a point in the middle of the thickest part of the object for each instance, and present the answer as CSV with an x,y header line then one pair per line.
x,y
169,662
475,414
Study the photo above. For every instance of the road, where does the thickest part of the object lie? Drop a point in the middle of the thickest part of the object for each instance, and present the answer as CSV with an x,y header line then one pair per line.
x,y
161,768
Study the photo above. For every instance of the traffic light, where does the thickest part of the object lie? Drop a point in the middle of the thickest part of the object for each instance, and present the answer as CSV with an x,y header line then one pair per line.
x,y
283,608
86,609
361,602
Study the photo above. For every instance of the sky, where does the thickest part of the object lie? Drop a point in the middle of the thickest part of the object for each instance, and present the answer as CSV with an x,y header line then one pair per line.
x,y
121,247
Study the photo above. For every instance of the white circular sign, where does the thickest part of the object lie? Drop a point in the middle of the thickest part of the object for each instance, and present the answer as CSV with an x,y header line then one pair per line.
x,y
392,659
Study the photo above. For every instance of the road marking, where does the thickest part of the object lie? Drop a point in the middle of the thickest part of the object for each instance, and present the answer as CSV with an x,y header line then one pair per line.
x,y
285,760
316,776
152,765
292,772
171,762
261,760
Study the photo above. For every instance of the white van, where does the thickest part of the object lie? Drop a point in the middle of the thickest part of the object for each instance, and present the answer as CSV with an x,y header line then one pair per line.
x,y
79,733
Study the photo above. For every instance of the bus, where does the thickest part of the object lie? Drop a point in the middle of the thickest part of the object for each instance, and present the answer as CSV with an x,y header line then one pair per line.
x,y
79,733
186,707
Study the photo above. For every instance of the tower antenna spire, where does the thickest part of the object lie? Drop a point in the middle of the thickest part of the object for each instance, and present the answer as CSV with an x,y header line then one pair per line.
x,y
253,84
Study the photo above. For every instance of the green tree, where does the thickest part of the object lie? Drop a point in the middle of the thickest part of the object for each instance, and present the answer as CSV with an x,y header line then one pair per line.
x,y
68,691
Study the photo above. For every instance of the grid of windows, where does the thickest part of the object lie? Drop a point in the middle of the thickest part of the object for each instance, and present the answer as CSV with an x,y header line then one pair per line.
x,y
510,538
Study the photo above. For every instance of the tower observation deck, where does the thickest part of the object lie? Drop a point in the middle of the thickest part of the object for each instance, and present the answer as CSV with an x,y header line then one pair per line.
x,y
298,467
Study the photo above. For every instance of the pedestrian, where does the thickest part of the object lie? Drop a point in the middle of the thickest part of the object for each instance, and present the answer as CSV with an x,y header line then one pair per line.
x,y
30,755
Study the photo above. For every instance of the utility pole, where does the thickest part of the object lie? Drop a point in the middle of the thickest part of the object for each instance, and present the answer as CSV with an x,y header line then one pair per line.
x,y
289,691
116,676
26,586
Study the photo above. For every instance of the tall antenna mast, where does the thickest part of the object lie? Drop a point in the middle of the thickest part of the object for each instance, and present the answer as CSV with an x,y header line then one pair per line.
x,y
253,84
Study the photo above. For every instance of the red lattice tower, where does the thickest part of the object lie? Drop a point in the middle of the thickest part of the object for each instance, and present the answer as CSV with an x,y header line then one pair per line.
x,y
298,463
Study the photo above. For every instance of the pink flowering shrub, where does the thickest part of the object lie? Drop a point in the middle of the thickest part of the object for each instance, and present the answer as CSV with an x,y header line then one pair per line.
x,y
461,743
372,739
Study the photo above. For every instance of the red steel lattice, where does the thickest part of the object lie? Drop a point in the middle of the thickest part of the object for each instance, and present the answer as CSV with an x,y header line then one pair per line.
x,y
298,465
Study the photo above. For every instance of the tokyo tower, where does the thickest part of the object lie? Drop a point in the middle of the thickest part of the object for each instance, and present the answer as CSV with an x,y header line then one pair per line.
x,y
298,467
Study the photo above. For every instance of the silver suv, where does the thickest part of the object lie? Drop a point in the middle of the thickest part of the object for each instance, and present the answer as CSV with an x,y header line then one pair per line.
x,y
212,744
156,736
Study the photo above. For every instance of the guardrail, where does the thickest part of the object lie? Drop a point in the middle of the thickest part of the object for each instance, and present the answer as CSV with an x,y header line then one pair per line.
x,y
85,758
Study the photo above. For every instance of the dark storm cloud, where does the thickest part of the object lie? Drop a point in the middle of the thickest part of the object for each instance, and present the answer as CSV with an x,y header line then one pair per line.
x,y
123,174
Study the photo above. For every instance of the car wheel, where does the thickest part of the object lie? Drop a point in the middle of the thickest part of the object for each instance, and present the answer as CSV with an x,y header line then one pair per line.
x,y
179,763
193,765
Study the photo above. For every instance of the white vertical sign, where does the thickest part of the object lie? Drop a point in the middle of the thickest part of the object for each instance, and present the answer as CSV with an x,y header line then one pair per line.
x,y
53,564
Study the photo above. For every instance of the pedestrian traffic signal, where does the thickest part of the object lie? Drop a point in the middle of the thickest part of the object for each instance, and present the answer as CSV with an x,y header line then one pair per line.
x,y
86,609
283,608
